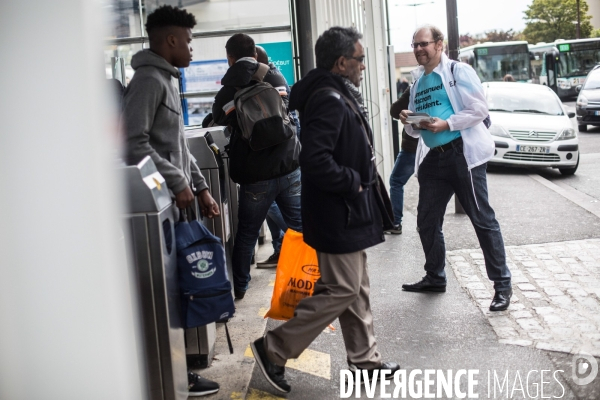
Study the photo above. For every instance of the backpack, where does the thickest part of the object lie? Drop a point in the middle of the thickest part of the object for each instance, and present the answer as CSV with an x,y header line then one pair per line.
x,y
487,121
203,280
262,116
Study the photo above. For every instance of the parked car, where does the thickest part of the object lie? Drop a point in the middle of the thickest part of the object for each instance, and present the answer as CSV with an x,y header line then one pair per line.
x,y
588,100
531,127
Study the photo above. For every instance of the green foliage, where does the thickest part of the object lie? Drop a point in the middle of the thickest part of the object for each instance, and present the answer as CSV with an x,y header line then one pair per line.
x,y
595,33
548,20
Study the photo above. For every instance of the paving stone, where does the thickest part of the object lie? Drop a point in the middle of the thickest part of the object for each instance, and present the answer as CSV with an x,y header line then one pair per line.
x,y
519,279
457,258
555,346
553,319
543,256
539,276
500,321
529,264
516,307
460,264
589,303
586,327
569,285
538,249
556,269
563,277
577,292
480,294
585,258
569,260
549,263
579,271
529,324
532,295
553,291
544,310
516,272
505,332
476,256
540,335
591,336
526,286
545,283
561,331
521,314
476,285
562,301
480,262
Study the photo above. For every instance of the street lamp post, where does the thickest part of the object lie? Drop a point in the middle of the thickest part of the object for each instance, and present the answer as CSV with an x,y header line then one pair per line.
x,y
578,21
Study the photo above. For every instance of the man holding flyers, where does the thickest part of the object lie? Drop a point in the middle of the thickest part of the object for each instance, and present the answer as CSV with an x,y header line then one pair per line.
x,y
454,148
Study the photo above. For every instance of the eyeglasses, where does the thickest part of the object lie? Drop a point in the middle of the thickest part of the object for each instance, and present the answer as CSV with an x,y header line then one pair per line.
x,y
422,44
360,59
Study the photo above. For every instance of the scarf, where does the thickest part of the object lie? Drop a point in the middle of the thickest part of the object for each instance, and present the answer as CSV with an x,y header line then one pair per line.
x,y
357,96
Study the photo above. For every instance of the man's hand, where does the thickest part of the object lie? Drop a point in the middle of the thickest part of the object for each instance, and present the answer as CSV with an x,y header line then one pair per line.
x,y
184,198
437,126
208,205
404,115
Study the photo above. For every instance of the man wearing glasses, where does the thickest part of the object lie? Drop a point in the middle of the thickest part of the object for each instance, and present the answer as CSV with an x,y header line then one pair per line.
x,y
453,150
338,217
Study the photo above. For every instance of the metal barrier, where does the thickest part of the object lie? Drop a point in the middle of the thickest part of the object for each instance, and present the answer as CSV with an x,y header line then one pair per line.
x,y
151,225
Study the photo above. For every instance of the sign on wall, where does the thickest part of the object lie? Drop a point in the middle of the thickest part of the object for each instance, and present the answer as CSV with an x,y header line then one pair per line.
x,y
280,54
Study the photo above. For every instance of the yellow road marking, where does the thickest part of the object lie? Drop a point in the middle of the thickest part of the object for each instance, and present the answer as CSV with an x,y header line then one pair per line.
x,y
310,362
262,311
254,394
272,282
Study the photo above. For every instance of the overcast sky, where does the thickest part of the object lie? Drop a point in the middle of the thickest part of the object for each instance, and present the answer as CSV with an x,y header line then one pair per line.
x,y
474,16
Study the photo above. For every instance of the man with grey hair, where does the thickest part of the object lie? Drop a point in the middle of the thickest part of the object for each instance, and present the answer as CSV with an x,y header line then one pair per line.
x,y
339,216
453,150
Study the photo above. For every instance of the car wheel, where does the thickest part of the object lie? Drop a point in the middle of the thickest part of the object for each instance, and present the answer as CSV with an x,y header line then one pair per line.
x,y
570,171
582,128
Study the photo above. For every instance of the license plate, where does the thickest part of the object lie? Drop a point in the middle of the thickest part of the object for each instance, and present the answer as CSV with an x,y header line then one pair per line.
x,y
533,149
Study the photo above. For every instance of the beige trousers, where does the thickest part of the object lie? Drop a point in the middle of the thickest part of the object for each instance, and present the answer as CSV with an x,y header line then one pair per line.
x,y
341,292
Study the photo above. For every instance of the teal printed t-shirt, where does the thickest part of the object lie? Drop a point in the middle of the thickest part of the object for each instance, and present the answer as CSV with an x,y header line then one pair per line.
x,y
431,98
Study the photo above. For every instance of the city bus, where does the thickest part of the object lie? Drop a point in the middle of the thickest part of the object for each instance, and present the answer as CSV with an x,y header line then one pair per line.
x,y
564,64
492,61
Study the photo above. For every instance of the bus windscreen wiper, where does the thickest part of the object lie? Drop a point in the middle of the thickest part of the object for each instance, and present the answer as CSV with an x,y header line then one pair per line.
x,y
499,109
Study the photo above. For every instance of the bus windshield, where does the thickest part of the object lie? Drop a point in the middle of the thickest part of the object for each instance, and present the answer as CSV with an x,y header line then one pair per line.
x,y
494,67
577,63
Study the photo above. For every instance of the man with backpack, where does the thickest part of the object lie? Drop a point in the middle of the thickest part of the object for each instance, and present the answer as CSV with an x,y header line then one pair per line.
x,y
263,149
453,150
152,115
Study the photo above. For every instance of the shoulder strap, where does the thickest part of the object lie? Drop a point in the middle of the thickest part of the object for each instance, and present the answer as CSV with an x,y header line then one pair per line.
x,y
261,72
452,64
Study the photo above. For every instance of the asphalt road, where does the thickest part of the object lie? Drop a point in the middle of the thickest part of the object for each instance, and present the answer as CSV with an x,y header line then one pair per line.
x,y
449,331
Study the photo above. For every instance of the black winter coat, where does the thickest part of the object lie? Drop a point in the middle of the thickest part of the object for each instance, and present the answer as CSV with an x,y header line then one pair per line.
x,y
248,166
335,161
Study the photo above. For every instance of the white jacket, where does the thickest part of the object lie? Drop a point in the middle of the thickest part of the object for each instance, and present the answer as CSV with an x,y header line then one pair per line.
x,y
470,109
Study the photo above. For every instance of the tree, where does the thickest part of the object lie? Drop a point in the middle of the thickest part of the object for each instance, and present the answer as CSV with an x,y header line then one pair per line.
x,y
502,36
466,40
595,33
548,20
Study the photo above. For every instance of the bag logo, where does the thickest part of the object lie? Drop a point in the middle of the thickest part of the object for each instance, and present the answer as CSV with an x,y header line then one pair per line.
x,y
203,266
311,269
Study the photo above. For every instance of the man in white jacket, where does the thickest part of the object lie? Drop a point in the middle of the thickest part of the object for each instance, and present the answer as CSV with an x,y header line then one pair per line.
x,y
451,158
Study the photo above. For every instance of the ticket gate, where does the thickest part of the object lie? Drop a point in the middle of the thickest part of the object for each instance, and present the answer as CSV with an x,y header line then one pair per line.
x,y
151,229
200,341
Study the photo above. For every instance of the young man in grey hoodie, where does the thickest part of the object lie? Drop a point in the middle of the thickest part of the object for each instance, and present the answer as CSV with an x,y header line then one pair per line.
x,y
153,122
152,108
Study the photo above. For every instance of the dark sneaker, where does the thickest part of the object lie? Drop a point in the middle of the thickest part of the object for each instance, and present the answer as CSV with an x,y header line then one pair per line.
x,y
198,386
397,230
270,262
389,365
501,300
273,372
238,293
423,286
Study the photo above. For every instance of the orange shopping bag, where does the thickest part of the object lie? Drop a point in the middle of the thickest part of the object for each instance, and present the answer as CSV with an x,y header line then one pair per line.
x,y
297,272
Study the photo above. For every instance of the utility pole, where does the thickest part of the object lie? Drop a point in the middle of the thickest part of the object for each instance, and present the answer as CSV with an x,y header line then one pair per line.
x,y
578,20
453,37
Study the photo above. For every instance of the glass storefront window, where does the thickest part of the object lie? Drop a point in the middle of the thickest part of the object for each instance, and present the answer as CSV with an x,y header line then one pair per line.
x,y
218,15
124,17
125,52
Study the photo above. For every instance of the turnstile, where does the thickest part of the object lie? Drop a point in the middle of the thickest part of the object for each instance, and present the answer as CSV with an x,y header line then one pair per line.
x,y
151,223
200,341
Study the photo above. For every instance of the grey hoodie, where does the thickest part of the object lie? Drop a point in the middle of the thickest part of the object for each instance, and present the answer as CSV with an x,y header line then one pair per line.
x,y
154,124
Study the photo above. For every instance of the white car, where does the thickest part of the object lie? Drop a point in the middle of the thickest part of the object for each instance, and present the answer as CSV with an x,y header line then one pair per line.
x,y
531,127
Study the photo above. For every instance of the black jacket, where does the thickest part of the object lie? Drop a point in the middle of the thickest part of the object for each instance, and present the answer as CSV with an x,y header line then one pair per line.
x,y
409,143
246,165
335,162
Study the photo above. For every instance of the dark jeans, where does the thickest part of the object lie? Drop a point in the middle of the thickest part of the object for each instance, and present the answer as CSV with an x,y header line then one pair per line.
x,y
440,175
403,170
277,226
254,202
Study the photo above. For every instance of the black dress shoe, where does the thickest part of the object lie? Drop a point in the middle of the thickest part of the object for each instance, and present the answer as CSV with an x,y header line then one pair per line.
x,y
501,300
274,373
238,293
385,365
423,286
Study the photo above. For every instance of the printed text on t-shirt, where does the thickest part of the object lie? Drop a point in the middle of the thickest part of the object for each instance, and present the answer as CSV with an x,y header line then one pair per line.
x,y
422,98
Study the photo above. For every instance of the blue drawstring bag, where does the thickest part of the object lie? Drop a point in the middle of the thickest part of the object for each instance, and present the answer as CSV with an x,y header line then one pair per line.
x,y
203,281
